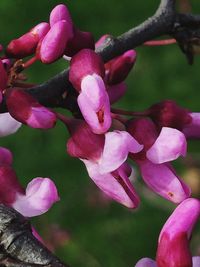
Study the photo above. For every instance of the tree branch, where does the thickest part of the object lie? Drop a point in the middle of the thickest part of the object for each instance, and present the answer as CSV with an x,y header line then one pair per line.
x,y
18,247
185,28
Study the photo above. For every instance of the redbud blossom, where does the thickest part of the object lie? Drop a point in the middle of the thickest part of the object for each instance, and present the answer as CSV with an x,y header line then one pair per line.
x,y
173,245
24,108
54,43
86,74
104,157
26,44
153,160
39,196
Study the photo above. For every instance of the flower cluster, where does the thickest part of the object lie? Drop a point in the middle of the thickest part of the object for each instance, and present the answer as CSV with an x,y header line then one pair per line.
x,y
102,137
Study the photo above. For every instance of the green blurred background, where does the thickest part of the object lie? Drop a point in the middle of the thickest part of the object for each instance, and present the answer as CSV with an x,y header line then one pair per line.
x,y
101,232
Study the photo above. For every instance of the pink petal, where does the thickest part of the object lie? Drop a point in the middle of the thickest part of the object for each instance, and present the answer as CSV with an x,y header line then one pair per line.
x,y
183,218
41,194
8,125
192,130
115,92
195,261
169,145
23,46
54,43
117,146
146,262
116,185
85,62
26,109
173,244
5,156
60,12
161,179
94,104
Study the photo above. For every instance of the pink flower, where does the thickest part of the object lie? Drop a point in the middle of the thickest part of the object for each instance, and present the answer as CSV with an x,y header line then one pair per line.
x,y
104,157
26,44
153,160
86,74
173,245
54,43
24,108
39,196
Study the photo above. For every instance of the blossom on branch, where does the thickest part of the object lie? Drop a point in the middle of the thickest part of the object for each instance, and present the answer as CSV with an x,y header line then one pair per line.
x,y
39,196
159,149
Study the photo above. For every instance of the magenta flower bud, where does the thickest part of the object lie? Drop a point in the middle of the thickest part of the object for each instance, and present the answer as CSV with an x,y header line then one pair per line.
x,y
173,245
83,142
60,12
169,114
86,62
54,43
153,160
24,108
94,104
40,195
118,68
26,44
114,184
9,185
5,156
81,40
3,76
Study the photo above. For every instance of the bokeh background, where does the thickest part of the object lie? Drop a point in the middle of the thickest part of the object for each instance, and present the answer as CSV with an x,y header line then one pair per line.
x,y
93,231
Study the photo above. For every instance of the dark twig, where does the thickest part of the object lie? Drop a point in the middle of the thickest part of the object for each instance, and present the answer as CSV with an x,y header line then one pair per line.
x,y
185,28
18,247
